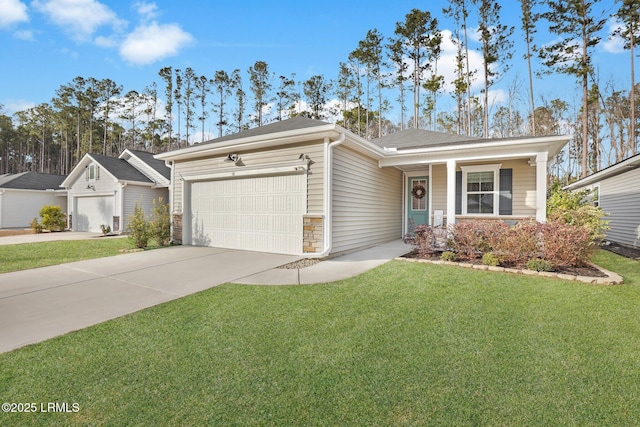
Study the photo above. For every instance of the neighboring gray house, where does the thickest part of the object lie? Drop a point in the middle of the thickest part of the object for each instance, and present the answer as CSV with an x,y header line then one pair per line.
x,y
104,190
22,195
616,190
314,189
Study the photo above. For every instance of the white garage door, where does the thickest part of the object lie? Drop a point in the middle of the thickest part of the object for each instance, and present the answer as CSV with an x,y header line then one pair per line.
x,y
92,212
258,214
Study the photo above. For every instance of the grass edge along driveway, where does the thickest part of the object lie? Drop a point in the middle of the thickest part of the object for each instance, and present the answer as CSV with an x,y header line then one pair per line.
x,y
404,344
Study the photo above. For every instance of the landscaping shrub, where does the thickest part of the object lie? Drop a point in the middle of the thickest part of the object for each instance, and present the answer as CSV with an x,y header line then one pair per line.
x,y
565,245
538,264
519,243
105,229
490,259
138,227
448,256
471,239
423,240
574,208
35,226
53,219
160,226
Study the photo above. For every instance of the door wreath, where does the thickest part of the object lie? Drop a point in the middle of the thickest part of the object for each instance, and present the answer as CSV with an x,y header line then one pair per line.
x,y
418,192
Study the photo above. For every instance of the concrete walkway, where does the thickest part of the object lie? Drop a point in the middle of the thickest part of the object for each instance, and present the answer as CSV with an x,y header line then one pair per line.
x,y
331,270
42,303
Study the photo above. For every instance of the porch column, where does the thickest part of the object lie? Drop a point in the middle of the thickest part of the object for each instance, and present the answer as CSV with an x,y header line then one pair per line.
x,y
541,187
451,192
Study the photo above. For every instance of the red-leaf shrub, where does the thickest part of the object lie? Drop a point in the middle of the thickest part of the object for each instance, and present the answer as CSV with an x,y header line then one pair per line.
x,y
519,243
471,239
423,240
566,245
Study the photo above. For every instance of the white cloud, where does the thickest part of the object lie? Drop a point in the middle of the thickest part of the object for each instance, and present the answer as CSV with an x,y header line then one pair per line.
x,y
152,42
12,106
24,35
148,11
12,12
80,18
107,42
613,44
447,63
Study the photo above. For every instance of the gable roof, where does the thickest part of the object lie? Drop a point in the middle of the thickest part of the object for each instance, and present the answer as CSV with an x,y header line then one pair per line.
x,y
420,138
295,123
149,159
32,181
119,168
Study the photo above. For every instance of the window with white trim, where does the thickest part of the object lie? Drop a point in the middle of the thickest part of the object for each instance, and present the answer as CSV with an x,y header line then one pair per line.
x,y
92,172
595,195
480,190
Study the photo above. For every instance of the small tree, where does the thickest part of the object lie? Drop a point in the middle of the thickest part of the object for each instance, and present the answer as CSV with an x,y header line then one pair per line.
x,y
138,227
53,219
160,226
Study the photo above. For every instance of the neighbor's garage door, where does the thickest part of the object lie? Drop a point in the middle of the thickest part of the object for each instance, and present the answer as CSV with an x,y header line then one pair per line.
x,y
258,214
92,212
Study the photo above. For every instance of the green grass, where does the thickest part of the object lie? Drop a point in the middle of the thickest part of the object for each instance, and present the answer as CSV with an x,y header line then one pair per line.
x,y
404,344
33,255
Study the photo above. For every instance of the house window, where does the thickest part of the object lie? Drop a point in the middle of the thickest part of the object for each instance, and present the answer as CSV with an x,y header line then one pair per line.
x,y
92,173
480,186
595,196
418,195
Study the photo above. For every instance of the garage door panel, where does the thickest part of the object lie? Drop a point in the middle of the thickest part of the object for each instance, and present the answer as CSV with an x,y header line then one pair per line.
x,y
261,214
92,212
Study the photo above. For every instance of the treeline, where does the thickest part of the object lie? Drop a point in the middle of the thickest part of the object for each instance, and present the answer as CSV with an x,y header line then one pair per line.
x,y
402,70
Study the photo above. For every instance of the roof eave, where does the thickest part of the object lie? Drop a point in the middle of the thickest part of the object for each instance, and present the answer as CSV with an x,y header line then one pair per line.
x,y
253,142
617,169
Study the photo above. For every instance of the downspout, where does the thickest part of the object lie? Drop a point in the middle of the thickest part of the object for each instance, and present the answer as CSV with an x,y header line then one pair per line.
x,y
327,240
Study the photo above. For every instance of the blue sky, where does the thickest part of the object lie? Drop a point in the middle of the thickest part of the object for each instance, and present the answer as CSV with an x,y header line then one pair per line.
x,y
46,43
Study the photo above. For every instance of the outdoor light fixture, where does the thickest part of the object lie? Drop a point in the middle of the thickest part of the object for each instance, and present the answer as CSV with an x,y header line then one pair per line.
x,y
233,157
91,187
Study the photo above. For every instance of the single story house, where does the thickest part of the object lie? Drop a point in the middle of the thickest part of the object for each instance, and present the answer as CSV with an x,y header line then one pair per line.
x,y
616,190
314,189
104,190
22,195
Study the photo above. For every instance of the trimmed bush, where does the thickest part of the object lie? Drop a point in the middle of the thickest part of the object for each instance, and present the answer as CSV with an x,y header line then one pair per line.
x,y
472,239
537,264
53,219
490,259
448,256
423,240
519,243
35,226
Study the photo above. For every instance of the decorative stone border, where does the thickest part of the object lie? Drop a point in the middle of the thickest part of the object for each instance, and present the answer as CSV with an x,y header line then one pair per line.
x,y
611,279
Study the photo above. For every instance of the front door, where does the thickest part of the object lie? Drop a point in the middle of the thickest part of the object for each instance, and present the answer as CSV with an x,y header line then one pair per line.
x,y
418,200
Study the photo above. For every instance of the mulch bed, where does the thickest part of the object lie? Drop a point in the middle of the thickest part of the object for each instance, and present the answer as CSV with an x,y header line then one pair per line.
x,y
16,232
574,271
625,251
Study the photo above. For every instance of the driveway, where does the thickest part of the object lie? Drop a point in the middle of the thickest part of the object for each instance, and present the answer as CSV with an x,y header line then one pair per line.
x,y
42,303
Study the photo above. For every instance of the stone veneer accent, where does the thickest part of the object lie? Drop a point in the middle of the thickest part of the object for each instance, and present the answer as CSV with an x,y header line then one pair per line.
x,y
177,228
313,228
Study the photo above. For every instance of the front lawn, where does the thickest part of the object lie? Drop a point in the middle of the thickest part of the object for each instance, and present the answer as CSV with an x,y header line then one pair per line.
x,y
32,255
404,344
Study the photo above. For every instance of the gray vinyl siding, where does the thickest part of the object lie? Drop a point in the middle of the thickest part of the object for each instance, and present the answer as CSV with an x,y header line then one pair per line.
x,y
143,196
313,150
19,207
524,186
620,198
367,201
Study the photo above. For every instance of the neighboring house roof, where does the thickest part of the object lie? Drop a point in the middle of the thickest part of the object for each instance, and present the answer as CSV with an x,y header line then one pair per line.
x,y
613,170
122,170
157,165
32,181
119,168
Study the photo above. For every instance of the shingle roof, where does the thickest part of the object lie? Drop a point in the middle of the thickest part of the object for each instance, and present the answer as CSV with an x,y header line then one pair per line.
x,y
420,138
281,126
120,168
157,165
32,181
